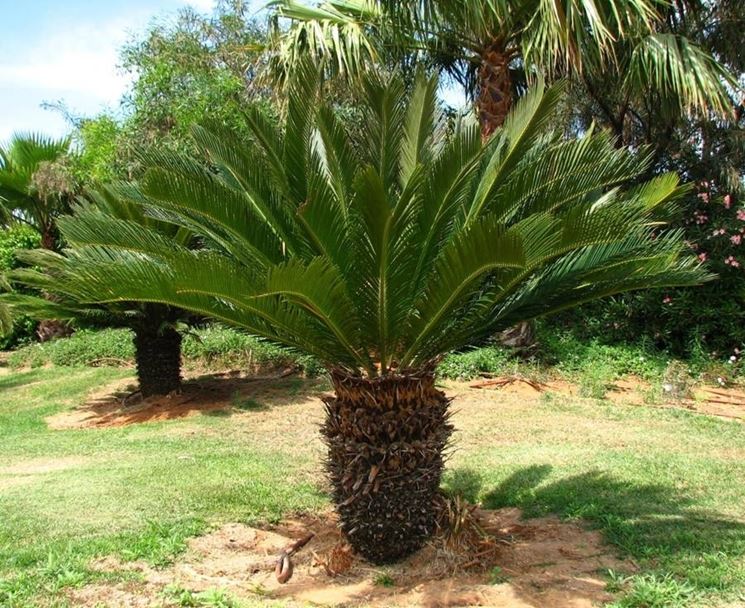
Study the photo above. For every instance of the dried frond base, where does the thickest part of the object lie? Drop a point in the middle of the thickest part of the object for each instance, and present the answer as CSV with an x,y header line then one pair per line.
x,y
386,438
463,541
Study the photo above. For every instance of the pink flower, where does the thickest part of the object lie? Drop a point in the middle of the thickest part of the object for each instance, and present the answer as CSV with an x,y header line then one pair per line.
x,y
727,201
703,256
667,300
736,239
731,261
741,215
704,196
719,231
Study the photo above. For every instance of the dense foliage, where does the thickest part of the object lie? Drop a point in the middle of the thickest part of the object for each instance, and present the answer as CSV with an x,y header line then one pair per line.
x,y
707,150
12,239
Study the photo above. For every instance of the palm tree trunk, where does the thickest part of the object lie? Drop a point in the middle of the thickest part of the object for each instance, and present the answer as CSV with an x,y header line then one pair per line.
x,y
158,358
494,103
494,89
386,437
51,329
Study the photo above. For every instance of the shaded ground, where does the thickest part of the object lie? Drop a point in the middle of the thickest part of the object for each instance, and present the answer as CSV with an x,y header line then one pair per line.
x,y
540,562
119,404
116,405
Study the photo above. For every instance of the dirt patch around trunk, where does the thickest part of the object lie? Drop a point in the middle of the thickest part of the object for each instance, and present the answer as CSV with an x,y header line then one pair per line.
x,y
118,405
542,563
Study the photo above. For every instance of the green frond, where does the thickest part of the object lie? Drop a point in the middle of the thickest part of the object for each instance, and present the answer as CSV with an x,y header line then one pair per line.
x,y
385,254
685,76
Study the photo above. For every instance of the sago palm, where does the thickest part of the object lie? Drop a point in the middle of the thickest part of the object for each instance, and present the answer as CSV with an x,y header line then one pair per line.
x,y
156,339
379,257
481,42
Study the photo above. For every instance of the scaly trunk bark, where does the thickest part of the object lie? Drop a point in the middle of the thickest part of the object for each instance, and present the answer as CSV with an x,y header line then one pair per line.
x,y
51,329
494,103
495,89
386,437
158,358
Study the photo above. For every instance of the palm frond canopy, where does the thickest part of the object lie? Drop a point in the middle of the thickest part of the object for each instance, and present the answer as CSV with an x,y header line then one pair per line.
x,y
379,257
343,33
21,158
34,186
119,207
345,37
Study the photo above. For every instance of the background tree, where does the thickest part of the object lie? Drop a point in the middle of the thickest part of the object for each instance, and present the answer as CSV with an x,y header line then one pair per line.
x,y
491,46
707,149
36,188
36,185
156,337
381,258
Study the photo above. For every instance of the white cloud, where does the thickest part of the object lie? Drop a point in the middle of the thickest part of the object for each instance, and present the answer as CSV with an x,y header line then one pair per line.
x,y
203,6
80,60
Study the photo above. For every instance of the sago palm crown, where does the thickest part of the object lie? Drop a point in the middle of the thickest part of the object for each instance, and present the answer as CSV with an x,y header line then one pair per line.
x,y
381,255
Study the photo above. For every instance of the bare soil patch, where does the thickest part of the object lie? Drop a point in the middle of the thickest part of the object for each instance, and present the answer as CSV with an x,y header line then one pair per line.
x,y
117,405
38,466
27,470
723,402
542,563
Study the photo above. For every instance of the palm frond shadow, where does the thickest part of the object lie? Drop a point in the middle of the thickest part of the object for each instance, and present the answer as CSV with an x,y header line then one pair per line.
x,y
654,523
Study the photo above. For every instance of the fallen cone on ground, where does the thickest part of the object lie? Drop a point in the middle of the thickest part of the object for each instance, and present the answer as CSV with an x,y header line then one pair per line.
x,y
283,569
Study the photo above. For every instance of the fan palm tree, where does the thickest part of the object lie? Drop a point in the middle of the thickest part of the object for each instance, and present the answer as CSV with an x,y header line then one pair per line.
x,y
483,43
156,339
35,187
378,258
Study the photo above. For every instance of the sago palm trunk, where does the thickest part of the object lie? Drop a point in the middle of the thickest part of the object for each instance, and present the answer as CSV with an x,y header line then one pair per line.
x,y
494,89
386,437
158,358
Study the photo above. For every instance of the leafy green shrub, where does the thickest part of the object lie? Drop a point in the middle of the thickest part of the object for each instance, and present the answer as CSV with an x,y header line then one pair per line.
x,y
596,380
474,363
13,238
214,347
574,355
84,347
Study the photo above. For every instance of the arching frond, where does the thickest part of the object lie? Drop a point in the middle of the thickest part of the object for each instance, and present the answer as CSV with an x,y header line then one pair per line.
x,y
383,255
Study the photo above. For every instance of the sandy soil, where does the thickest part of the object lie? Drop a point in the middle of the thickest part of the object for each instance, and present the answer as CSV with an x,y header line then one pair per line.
x,y
118,404
722,402
539,563
115,405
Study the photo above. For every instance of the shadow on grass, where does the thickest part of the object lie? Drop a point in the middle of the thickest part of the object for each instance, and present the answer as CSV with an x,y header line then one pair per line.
x,y
655,524
20,378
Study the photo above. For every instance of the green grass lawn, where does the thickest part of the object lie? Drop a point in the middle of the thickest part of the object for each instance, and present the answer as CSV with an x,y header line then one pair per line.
x,y
667,487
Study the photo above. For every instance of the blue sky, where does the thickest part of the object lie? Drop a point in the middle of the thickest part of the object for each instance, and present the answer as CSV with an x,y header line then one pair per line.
x,y
67,50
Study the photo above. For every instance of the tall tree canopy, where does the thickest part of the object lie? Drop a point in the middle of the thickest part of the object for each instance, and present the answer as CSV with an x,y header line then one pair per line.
x,y
486,43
